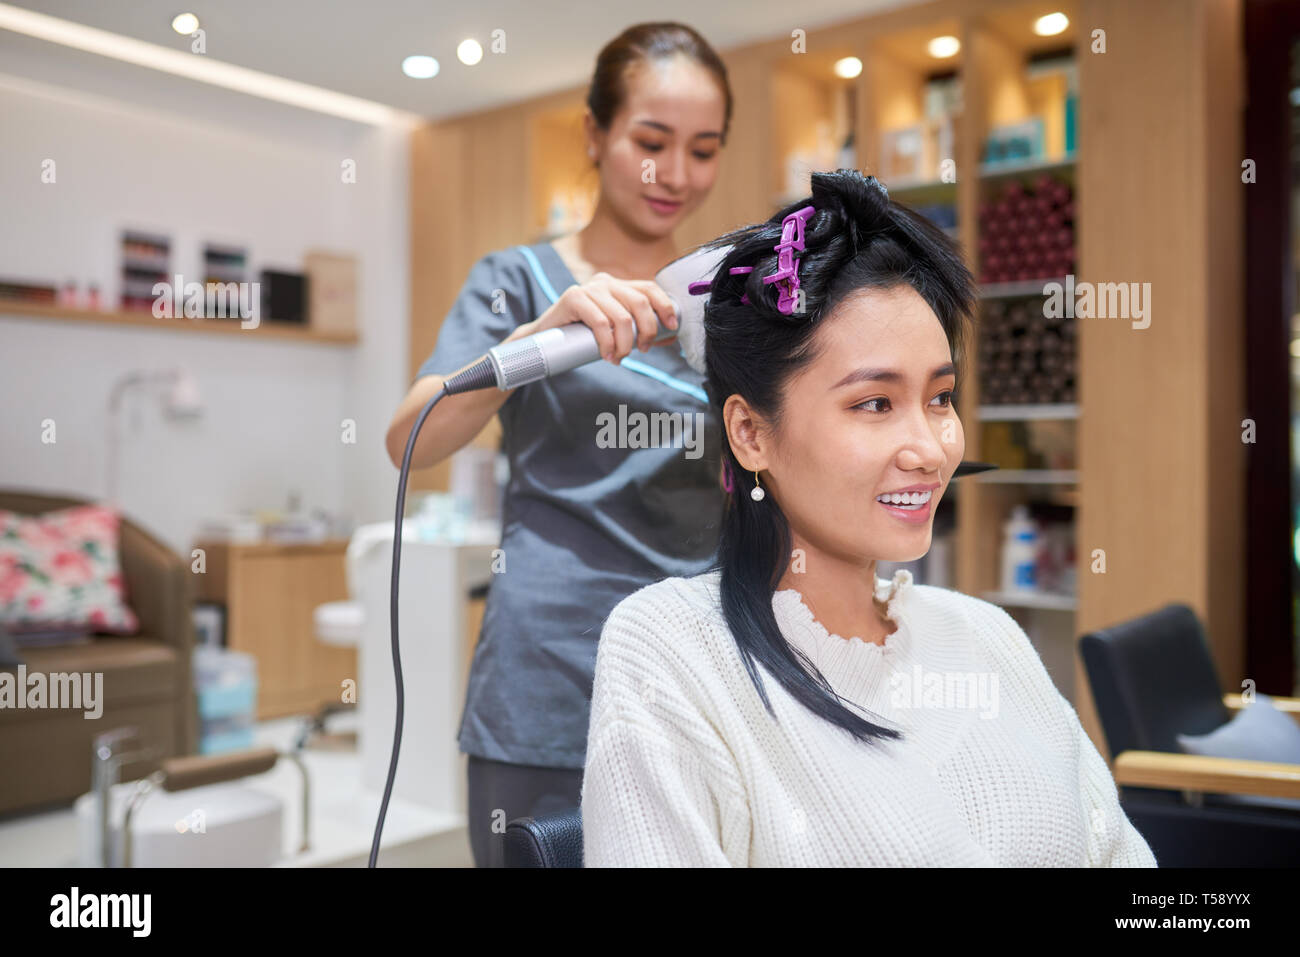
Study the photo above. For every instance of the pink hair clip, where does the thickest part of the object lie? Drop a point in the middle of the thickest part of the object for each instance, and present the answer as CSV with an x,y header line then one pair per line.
x,y
787,272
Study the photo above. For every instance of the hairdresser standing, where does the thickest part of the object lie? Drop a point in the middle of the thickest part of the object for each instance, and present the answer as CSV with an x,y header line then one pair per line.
x,y
587,521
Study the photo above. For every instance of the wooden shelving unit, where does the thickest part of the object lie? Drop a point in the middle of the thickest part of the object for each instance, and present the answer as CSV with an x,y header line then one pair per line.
x,y
1000,43
266,329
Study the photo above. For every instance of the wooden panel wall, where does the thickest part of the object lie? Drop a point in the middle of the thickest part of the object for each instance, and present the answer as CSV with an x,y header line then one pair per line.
x,y
1159,202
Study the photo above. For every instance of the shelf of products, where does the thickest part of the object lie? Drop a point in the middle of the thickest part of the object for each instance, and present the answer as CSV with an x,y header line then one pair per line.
x,y
146,261
914,105
224,298
1037,563
223,265
1026,229
820,88
1027,355
924,151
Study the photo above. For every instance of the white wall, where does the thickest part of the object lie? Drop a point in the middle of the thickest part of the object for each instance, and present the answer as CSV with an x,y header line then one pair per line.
x,y
142,149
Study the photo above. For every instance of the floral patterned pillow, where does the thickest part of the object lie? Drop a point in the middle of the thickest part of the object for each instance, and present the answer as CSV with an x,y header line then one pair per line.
x,y
60,570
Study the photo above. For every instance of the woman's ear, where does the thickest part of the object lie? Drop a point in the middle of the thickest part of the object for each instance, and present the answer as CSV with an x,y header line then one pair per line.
x,y
590,133
747,433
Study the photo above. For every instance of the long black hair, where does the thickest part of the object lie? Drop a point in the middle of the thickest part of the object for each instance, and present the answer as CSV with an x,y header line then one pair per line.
x,y
857,238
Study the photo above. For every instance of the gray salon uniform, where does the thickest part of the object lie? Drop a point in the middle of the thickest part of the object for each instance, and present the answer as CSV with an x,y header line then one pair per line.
x,y
592,512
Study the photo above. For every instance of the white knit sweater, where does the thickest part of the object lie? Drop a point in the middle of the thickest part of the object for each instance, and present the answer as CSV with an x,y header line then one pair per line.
x,y
686,767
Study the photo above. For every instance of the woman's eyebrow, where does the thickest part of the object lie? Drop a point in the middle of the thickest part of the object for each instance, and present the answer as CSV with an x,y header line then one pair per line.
x,y
889,375
668,129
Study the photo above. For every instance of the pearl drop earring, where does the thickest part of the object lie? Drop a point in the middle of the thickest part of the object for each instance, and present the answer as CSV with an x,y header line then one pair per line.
x,y
757,493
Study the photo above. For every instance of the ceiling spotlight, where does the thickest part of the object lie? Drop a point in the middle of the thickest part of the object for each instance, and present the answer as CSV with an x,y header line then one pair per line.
x,y
943,47
420,67
469,52
848,67
185,24
1051,25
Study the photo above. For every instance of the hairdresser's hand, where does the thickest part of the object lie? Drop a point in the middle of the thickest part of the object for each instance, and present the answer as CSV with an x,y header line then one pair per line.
x,y
622,313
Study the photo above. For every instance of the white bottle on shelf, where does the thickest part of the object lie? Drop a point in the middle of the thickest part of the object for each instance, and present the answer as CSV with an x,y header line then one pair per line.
x,y
1019,552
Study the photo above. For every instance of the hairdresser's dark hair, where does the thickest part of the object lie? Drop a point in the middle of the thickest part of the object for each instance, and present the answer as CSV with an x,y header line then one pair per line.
x,y
649,42
856,239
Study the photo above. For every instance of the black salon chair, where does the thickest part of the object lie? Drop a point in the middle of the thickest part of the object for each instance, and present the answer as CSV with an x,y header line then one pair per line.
x,y
552,840
1152,678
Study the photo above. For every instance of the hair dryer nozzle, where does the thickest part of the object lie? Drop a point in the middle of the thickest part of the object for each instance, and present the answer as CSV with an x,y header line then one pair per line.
x,y
675,279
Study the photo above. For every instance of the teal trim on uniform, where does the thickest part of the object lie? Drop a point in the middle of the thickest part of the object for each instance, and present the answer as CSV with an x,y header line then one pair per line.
x,y
538,273
634,365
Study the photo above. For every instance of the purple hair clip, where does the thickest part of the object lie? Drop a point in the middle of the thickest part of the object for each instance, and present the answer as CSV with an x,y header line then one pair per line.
x,y
697,288
787,272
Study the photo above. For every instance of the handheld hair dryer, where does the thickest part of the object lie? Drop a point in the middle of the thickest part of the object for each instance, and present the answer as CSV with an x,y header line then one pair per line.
x,y
566,347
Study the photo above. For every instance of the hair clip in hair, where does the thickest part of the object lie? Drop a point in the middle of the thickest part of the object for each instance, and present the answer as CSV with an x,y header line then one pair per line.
x,y
787,272
701,287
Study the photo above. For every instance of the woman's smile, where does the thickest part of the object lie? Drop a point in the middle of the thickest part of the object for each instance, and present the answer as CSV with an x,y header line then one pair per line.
x,y
914,505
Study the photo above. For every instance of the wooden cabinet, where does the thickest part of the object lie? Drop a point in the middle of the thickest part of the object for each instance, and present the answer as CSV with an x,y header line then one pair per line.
x,y
270,592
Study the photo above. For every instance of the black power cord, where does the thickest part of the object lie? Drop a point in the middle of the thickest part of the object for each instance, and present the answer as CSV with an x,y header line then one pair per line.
x,y
481,375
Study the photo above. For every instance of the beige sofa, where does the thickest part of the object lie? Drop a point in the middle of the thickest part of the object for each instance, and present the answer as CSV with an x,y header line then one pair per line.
x,y
45,755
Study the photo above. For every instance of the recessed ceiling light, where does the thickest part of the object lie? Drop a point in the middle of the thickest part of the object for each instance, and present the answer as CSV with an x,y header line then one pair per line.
x,y
943,47
185,23
1051,25
469,52
848,67
420,67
